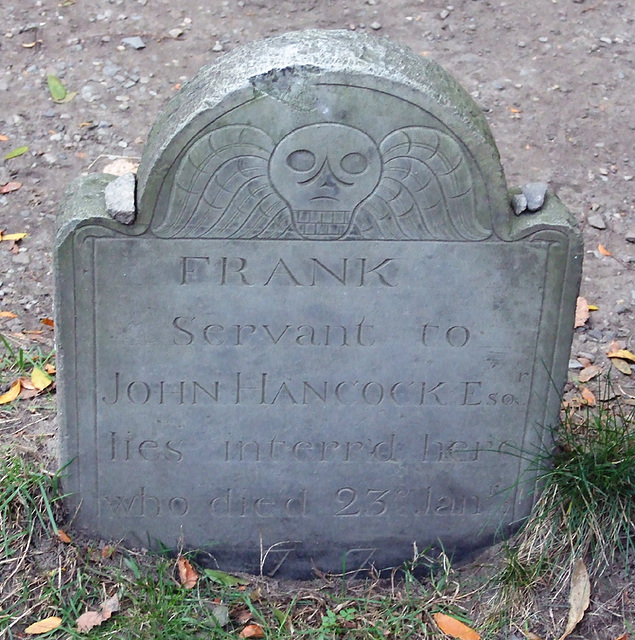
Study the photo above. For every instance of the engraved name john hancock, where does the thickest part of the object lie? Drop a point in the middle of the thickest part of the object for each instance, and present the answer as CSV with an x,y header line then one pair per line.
x,y
324,181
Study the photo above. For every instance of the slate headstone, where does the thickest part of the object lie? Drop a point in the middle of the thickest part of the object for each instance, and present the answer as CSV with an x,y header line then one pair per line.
x,y
326,337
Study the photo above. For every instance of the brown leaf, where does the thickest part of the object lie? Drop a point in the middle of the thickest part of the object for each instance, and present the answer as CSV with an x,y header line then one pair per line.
x,y
187,574
48,322
585,362
579,597
44,626
532,636
622,366
12,393
252,631
91,619
455,628
615,346
3,138
581,312
9,187
8,314
50,369
588,396
243,616
623,354
589,373
63,537
603,250
88,620
108,552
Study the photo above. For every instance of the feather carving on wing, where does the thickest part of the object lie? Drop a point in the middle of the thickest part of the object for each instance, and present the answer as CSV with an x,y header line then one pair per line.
x,y
426,190
222,189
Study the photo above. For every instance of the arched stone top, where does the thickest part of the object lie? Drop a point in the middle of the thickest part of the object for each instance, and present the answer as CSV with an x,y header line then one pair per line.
x,y
323,135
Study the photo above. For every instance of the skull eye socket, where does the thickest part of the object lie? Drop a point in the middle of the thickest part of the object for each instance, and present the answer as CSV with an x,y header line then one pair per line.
x,y
354,163
301,160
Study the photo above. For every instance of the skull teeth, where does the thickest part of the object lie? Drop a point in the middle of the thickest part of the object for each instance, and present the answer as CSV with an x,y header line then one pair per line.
x,y
322,224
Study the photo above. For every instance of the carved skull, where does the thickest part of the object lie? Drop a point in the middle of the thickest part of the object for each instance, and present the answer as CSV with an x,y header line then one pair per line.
x,y
323,172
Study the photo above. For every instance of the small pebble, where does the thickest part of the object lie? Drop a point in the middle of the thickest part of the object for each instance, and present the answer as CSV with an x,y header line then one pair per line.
x,y
575,364
135,42
630,235
175,33
535,193
589,356
597,222
375,26
217,47
444,14
519,203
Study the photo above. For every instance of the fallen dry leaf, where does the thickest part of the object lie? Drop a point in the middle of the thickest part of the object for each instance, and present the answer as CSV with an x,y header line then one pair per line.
x,y
50,369
40,379
455,628
48,322
187,574
581,312
13,237
622,366
579,597
44,626
624,354
3,138
532,636
588,373
8,314
120,166
614,346
588,396
623,637
12,393
63,537
9,187
91,619
252,631
603,250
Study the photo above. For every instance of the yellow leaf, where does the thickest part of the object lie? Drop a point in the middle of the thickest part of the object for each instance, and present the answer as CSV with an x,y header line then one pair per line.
x,y
8,314
593,307
623,354
12,393
622,366
40,379
12,236
455,628
44,626
579,597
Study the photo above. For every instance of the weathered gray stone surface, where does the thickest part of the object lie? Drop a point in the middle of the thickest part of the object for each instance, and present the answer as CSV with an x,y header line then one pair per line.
x,y
120,198
326,334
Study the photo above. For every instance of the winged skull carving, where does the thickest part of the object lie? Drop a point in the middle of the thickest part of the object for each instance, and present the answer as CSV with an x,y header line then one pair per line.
x,y
323,182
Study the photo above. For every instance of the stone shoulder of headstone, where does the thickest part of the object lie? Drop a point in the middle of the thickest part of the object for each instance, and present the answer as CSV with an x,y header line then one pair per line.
x,y
83,202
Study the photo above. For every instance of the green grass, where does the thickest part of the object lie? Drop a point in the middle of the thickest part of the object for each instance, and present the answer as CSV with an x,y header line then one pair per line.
x,y
16,360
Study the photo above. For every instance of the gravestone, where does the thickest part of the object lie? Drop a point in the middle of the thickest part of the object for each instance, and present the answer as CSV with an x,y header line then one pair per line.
x,y
326,337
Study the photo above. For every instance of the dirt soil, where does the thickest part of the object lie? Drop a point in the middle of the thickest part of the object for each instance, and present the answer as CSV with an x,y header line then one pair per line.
x,y
555,79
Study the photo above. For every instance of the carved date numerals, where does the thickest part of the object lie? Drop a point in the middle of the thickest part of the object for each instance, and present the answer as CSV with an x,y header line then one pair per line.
x,y
369,502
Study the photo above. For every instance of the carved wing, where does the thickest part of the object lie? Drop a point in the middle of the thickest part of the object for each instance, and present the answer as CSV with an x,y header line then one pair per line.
x,y
426,190
222,189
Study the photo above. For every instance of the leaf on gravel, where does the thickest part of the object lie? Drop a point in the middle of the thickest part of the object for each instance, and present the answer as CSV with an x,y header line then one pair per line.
x,y
8,314
44,626
455,628
63,537
3,138
50,369
579,597
12,393
120,166
603,250
624,354
252,631
588,396
622,366
48,322
588,373
91,619
187,574
532,636
223,578
9,187
57,89
16,152
581,312
12,236
40,379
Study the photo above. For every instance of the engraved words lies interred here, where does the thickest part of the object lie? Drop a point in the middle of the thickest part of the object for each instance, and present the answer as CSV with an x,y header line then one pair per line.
x,y
325,337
